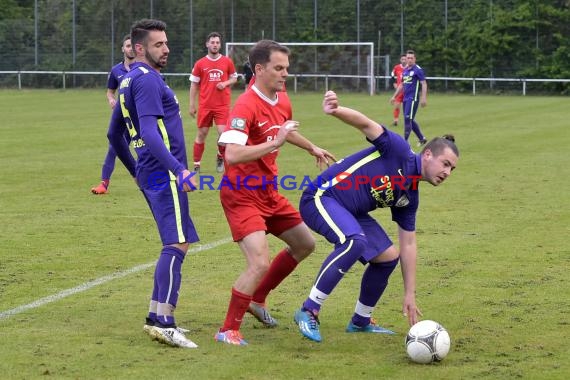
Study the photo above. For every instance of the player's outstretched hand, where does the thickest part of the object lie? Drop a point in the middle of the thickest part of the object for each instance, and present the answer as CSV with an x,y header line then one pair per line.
x,y
324,158
411,311
330,102
186,181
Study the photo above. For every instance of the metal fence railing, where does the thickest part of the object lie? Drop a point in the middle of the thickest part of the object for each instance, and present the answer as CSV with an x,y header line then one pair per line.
x,y
300,82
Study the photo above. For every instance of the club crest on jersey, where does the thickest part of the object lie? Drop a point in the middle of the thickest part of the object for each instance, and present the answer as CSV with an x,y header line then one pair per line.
x,y
403,201
238,123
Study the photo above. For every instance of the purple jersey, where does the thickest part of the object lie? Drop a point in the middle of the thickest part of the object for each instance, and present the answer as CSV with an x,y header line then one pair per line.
x,y
411,78
160,146
384,175
115,76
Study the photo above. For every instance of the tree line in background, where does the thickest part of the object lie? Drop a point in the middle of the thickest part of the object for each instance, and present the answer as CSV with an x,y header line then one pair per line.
x,y
462,38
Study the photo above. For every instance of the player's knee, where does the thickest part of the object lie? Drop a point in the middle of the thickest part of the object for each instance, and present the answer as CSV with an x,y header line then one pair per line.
x,y
355,246
176,250
386,267
258,268
349,252
303,247
309,245
358,242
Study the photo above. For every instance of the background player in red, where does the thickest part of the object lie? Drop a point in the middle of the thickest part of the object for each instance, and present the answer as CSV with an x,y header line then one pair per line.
x,y
396,79
260,123
212,78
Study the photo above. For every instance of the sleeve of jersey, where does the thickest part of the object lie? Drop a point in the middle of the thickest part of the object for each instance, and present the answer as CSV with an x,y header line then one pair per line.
x,y
154,142
406,216
112,83
421,75
232,69
237,129
195,74
392,143
115,134
149,107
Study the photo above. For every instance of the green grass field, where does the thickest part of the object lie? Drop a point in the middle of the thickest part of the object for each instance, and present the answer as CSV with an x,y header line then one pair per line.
x,y
76,269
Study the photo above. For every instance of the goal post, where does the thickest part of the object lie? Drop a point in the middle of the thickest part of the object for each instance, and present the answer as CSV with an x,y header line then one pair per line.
x,y
317,66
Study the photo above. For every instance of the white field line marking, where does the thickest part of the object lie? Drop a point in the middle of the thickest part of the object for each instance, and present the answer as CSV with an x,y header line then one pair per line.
x,y
101,280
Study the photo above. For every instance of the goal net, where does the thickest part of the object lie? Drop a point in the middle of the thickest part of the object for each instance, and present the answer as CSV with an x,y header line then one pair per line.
x,y
320,66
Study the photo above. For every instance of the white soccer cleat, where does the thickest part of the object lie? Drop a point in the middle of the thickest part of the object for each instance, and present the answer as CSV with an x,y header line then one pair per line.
x,y
171,336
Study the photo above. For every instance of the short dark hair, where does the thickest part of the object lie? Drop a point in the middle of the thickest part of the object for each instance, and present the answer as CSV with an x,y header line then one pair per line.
x,y
141,29
212,35
438,144
410,52
260,53
126,37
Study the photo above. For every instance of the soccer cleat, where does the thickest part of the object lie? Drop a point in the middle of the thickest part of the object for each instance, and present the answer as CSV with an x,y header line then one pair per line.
x,y
261,314
395,123
372,327
219,164
171,336
99,189
230,337
422,142
150,323
308,324
197,169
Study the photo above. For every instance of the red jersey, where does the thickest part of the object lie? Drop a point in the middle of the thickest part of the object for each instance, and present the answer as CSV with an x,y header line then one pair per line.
x,y
208,73
397,73
255,119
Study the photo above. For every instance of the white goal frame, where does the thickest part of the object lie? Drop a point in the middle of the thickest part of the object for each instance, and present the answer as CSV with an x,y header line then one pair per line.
x,y
370,60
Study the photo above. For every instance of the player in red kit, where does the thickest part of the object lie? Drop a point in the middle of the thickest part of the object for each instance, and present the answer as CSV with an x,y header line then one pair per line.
x,y
396,79
259,124
212,78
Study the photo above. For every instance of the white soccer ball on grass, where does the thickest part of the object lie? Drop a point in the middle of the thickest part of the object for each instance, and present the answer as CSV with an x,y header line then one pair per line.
x,y
427,342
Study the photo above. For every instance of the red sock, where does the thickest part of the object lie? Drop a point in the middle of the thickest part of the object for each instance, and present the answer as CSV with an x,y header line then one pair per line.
x,y
105,183
236,310
396,113
198,151
281,266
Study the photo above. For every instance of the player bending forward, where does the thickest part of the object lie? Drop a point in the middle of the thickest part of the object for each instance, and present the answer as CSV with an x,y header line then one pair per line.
x,y
384,175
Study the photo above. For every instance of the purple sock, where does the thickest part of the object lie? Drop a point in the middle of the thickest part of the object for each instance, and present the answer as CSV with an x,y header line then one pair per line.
x,y
407,128
373,284
168,277
108,164
417,130
151,317
154,297
335,266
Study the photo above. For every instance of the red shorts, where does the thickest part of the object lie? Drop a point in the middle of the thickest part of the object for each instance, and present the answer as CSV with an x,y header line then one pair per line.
x,y
266,210
207,118
400,97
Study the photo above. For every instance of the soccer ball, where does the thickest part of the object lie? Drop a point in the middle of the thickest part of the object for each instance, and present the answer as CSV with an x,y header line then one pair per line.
x,y
427,342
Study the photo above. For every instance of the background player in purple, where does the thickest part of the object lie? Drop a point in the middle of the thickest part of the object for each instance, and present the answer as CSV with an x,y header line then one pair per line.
x,y
150,111
117,72
414,85
384,175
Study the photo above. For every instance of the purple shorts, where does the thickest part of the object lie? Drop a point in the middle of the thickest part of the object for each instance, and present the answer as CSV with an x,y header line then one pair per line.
x,y
171,213
327,217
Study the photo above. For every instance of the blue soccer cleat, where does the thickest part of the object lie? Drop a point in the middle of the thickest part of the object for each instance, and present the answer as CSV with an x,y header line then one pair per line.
x,y
308,324
372,327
